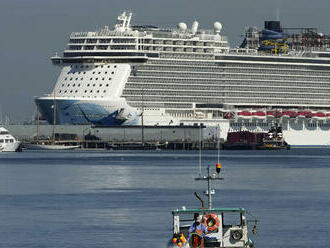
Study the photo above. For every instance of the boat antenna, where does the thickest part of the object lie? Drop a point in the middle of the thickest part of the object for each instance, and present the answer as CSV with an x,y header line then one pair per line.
x,y
218,142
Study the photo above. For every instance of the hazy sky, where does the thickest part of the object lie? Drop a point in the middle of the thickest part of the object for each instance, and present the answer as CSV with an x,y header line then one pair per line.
x,y
31,31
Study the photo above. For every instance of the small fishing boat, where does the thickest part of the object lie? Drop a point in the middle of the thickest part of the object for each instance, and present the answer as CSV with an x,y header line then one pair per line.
x,y
226,227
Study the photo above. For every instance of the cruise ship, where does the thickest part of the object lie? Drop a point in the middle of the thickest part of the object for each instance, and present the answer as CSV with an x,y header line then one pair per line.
x,y
133,75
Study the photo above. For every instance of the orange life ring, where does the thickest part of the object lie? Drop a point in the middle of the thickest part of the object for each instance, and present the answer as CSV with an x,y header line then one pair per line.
x,y
211,221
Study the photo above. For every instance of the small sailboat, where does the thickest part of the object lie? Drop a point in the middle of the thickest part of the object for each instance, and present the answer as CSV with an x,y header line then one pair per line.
x,y
49,144
223,227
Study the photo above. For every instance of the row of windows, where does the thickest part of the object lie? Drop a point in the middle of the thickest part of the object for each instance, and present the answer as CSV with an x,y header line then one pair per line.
x,y
6,141
78,85
83,72
76,91
70,79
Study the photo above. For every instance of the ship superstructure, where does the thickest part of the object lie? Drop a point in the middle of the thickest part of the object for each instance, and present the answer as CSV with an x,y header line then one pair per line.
x,y
187,75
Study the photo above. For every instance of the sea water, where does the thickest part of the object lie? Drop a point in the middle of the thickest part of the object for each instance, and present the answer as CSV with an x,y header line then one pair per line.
x,y
124,198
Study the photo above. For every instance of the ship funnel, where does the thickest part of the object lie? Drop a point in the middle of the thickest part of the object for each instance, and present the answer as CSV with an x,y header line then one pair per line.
x,y
194,27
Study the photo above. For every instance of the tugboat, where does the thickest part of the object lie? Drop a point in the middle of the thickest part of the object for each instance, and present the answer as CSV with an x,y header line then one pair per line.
x,y
274,140
226,227
246,140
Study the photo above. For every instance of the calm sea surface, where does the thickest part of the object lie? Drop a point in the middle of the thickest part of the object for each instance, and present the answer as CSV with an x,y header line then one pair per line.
x,y
124,198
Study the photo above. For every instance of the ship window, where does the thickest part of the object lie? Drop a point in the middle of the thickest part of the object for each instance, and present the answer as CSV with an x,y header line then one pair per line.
x,y
65,78
108,66
70,91
100,85
93,72
115,66
96,66
73,85
96,78
98,91
79,72
102,78
101,66
105,72
109,78
85,91
99,72
81,66
107,85
84,72
68,85
91,91
62,85
112,72
81,78
91,79
65,91
76,78
104,91
93,84
1,140
60,91
87,85
78,85
87,66
76,91
70,79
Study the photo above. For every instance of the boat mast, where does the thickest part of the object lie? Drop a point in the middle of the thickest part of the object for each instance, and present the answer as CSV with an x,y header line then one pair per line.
x,y
209,192
54,119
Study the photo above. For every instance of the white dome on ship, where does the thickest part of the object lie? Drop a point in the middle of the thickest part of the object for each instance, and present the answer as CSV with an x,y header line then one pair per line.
x,y
217,27
182,26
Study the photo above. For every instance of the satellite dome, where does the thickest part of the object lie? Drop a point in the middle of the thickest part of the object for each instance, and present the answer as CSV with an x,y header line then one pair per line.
x,y
217,27
182,26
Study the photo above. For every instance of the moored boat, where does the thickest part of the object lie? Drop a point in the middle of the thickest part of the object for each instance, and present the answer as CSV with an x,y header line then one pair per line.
x,y
8,143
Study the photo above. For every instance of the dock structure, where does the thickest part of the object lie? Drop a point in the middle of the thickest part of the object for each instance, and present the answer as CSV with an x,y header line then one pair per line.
x,y
122,138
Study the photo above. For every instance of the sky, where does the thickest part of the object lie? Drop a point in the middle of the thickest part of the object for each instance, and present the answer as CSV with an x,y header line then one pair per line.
x,y
31,31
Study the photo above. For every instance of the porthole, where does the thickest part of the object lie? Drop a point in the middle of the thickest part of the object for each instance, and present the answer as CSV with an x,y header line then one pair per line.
x,y
85,91
73,85
84,72
104,91
93,72
78,85
79,72
109,78
102,78
88,85
101,66
112,72
105,72
62,85
81,78
65,91
100,85
60,91
107,85
93,85
76,91
99,72
65,78
70,79
68,85
70,91
115,66
96,78
91,79
97,91
91,91
108,66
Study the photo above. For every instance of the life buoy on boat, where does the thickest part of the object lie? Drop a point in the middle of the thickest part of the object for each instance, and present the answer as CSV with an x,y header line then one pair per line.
x,y
211,221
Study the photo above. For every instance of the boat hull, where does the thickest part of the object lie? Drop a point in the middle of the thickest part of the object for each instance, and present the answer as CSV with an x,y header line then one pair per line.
x,y
48,147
